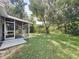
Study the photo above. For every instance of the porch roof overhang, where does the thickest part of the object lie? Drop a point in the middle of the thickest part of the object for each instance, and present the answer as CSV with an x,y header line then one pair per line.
x,y
3,13
21,20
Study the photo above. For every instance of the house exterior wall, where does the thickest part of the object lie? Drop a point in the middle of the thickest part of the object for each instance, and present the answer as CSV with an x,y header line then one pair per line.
x,y
0,30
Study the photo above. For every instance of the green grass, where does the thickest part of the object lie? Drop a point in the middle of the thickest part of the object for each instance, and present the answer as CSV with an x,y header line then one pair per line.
x,y
53,46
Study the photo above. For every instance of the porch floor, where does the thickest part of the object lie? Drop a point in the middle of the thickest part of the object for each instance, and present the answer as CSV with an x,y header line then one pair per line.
x,y
11,43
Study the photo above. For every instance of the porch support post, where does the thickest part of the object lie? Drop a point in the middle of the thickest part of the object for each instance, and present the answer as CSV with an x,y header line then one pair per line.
x,y
28,29
22,28
14,28
4,29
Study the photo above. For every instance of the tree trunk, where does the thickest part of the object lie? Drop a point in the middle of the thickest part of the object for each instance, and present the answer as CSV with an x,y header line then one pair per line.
x,y
65,28
47,30
46,26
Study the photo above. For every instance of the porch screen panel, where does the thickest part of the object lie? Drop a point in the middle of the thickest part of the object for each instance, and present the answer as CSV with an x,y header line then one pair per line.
x,y
25,30
9,29
18,29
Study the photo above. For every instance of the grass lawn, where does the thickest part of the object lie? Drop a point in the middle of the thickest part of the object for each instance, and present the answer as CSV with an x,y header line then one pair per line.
x,y
53,46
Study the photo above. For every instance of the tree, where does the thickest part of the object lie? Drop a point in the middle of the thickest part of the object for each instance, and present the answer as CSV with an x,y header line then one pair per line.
x,y
19,9
66,13
16,9
38,9
71,12
63,13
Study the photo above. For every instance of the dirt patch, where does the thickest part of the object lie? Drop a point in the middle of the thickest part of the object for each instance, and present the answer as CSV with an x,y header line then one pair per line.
x,y
8,52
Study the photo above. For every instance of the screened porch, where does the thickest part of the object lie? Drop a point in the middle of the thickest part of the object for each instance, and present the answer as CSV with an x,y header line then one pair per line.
x,y
14,29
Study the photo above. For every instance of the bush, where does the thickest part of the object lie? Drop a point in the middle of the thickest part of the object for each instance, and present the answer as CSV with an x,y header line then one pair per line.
x,y
73,28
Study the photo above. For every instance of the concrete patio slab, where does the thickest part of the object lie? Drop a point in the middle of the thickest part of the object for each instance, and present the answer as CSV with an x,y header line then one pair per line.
x,y
11,43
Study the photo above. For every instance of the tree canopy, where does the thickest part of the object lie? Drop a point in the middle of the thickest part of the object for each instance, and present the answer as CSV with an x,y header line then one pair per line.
x,y
64,13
